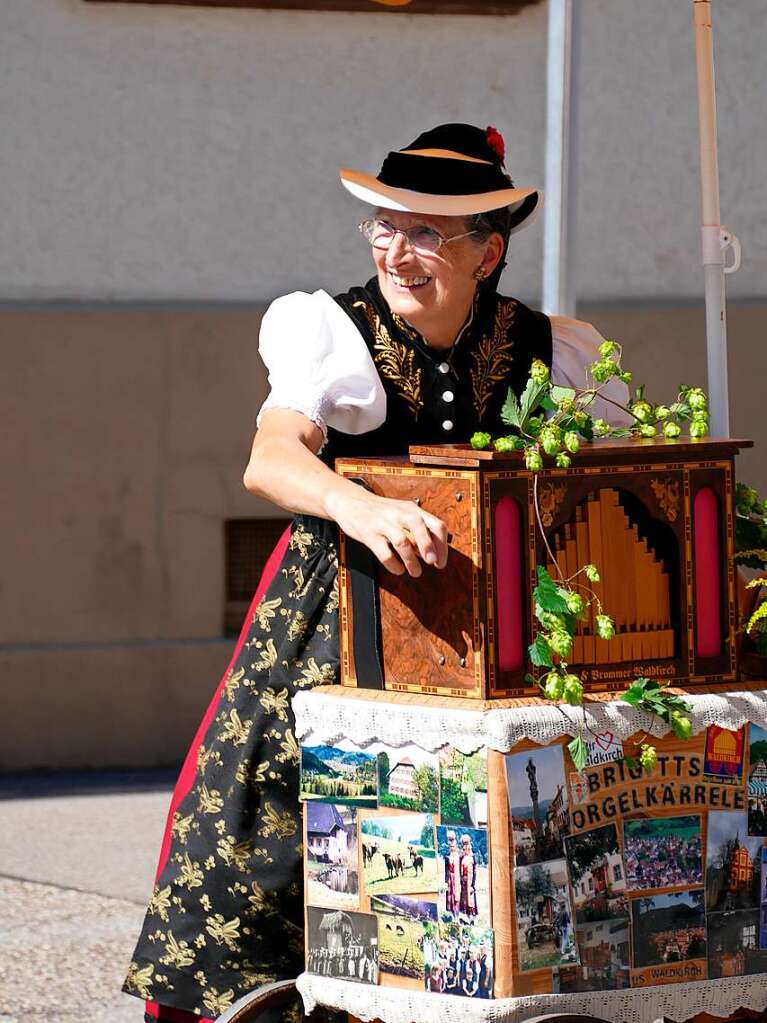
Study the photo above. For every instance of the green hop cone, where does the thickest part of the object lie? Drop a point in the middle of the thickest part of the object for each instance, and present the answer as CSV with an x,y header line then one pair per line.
x,y
746,497
671,429
550,439
561,642
580,418
648,757
700,417
553,686
647,430
608,348
698,430
696,398
603,370
550,620
605,626
563,460
566,405
602,428
681,725
573,689
539,371
572,443
662,412
533,460
592,573
479,440
626,376
643,411
575,603
505,444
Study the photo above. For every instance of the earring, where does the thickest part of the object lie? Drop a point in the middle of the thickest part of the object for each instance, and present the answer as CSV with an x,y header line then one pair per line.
x,y
479,274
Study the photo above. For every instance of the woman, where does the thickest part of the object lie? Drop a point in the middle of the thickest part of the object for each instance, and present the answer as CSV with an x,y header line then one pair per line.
x,y
467,905
452,875
424,352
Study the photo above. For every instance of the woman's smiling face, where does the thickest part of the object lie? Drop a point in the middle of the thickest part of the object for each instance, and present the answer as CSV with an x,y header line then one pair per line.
x,y
433,290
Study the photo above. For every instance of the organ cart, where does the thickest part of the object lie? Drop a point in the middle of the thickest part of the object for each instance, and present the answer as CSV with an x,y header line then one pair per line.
x,y
458,863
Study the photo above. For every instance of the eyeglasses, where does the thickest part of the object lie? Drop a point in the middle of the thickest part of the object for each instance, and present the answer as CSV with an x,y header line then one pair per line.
x,y
381,234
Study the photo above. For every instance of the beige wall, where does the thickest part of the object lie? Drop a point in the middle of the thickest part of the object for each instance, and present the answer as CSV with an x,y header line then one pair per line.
x,y
123,443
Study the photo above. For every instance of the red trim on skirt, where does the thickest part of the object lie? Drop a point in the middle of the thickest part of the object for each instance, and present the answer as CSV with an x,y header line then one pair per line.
x,y
189,767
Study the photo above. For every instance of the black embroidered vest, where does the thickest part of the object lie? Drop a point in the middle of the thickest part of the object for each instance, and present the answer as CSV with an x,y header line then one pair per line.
x,y
436,396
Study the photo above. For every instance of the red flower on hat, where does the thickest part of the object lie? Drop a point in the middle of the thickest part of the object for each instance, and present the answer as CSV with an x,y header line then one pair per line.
x,y
495,141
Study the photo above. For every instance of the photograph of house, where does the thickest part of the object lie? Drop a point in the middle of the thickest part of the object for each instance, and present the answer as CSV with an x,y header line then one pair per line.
x,y
408,777
597,874
669,928
757,780
733,944
545,931
463,787
604,952
331,859
733,862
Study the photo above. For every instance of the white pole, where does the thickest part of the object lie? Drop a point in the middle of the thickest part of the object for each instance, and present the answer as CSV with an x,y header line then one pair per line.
x,y
715,239
560,208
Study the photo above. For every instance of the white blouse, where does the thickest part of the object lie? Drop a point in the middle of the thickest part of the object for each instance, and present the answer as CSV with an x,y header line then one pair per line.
x,y
319,364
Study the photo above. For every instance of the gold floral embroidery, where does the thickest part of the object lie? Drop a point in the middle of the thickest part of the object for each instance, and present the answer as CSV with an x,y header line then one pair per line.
x,y
224,932
300,584
160,902
492,356
138,980
332,604
205,903
667,495
180,826
275,823
268,657
235,729
210,800
290,749
550,496
191,876
395,360
298,626
204,756
275,703
177,954
264,613
316,674
216,1003
301,540
201,979
235,854
254,775
259,900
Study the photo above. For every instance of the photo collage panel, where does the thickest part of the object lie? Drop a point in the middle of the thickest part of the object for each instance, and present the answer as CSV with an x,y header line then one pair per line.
x,y
397,867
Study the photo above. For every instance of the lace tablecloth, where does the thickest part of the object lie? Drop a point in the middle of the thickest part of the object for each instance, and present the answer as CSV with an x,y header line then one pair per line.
x,y
325,716
643,1005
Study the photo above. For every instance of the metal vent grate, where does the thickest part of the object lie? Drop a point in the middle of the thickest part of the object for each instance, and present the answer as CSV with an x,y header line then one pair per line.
x,y
248,544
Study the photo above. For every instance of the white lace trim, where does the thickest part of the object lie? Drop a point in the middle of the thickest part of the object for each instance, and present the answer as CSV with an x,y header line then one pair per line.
x,y
637,1005
324,717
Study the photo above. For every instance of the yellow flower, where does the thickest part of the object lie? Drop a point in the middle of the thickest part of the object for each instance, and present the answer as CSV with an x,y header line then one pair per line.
x,y
275,703
224,932
276,823
216,1003
191,876
138,980
210,800
160,902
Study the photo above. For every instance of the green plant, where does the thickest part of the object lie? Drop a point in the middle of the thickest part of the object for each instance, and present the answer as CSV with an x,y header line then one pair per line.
x,y
549,422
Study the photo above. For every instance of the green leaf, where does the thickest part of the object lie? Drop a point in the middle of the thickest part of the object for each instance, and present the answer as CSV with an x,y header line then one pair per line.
x,y
548,404
631,763
578,752
563,394
531,680
540,652
510,413
546,593
530,400
587,430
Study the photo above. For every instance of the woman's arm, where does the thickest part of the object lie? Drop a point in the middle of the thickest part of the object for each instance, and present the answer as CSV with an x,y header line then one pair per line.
x,y
284,468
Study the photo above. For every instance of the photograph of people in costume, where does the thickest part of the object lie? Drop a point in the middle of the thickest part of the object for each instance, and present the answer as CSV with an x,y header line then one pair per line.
x,y
733,944
339,774
597,874
458,960
545,931
663,853
604,952
331,855
538,804
342,944
463,787
669,928
464,875
733,862
398,854
400,933
408,778
757,780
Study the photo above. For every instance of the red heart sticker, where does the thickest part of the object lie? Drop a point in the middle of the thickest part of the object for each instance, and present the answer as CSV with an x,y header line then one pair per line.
x,y
605,740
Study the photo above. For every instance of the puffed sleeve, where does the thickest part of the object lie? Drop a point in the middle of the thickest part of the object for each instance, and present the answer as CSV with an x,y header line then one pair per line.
x,y
575,345
319,364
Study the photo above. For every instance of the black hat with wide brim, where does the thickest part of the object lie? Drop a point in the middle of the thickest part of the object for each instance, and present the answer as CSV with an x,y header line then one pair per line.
x,y
453,170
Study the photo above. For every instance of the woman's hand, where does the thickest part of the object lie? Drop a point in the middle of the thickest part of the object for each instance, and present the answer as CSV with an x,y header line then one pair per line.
x,y
399,533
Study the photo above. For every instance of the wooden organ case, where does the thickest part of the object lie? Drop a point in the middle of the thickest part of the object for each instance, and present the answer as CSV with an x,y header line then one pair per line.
x,y
654,516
